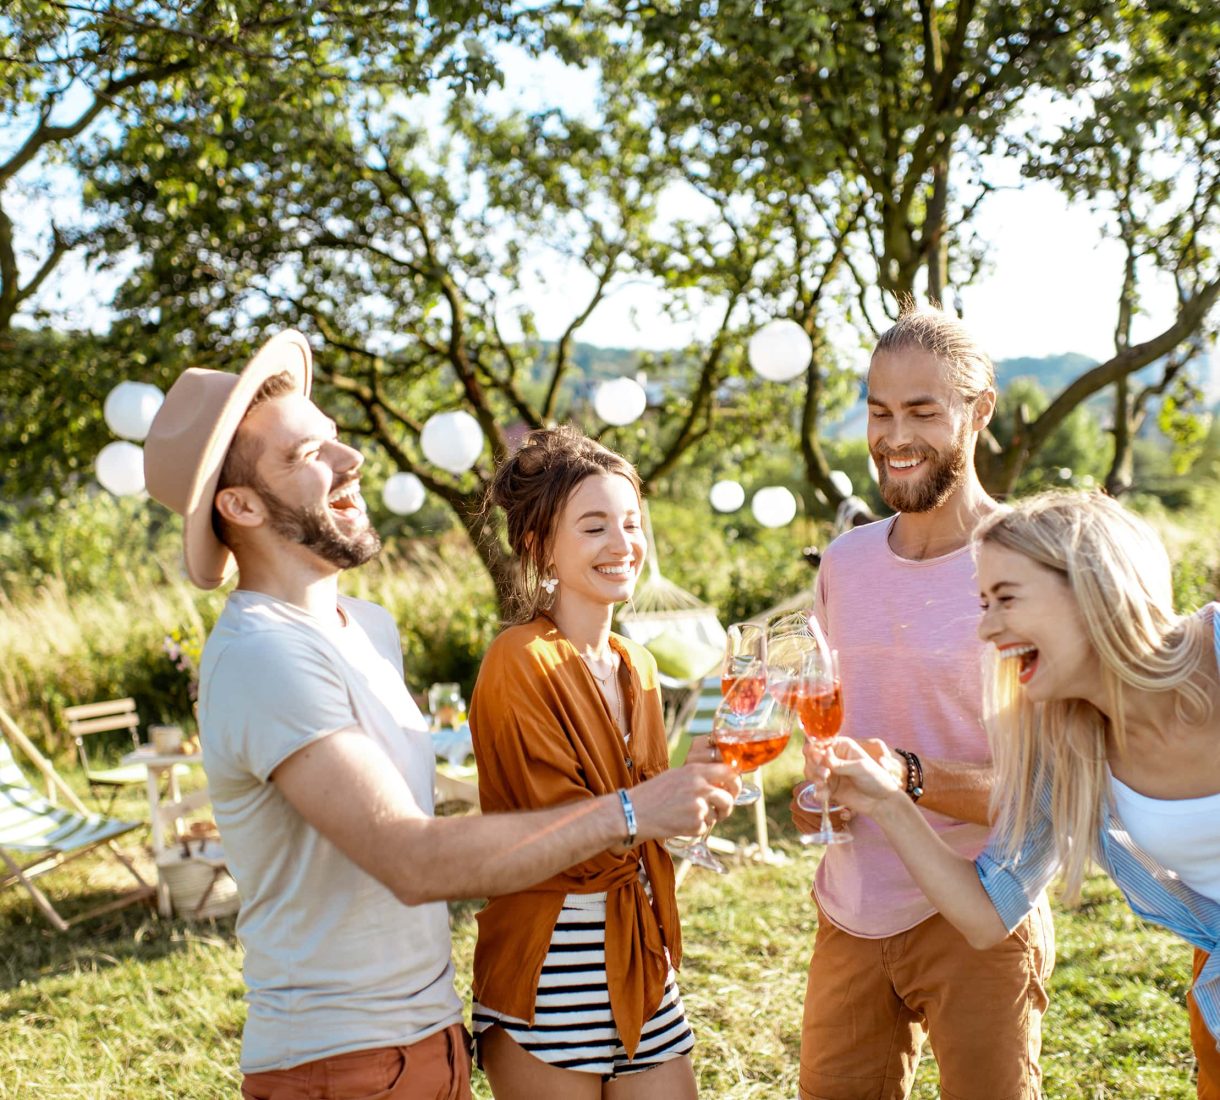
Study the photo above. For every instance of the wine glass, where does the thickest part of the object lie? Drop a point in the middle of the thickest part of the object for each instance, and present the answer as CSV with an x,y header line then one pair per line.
x,y
748,741
745,740
820,708
446,705
789,640
743,674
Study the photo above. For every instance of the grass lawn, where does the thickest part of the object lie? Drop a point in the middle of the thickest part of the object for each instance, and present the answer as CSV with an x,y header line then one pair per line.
x,y
129,1006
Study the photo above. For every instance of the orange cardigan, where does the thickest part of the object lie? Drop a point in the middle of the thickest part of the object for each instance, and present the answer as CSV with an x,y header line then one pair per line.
x,y
543,736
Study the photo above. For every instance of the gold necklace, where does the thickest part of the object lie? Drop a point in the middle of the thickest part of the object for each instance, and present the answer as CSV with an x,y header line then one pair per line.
x,y
604,681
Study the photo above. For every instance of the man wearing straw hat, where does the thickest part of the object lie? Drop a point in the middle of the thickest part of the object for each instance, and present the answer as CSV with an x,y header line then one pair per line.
x,y
319,764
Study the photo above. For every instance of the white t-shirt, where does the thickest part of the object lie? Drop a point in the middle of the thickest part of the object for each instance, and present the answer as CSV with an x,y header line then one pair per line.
x,y
334,962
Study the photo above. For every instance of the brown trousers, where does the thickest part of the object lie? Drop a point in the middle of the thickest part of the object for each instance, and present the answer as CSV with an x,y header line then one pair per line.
x,y
870,1003
435,1068
1204,1043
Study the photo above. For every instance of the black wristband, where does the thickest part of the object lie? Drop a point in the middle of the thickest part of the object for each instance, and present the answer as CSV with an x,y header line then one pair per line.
x,y
914,787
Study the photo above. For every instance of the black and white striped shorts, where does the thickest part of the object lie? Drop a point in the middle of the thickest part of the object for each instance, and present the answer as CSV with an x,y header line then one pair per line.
x,y
573,1027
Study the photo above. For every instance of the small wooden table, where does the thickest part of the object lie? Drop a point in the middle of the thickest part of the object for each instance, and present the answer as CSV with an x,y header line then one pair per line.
x,y
167,814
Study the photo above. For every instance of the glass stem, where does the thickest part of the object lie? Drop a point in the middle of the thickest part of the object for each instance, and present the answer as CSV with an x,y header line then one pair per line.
x,y
827,827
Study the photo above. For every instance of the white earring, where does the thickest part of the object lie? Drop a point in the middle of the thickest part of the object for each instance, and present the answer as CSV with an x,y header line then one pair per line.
x,y
550,583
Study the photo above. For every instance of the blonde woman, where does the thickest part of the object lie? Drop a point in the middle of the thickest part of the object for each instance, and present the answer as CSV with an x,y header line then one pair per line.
x,y
1103,709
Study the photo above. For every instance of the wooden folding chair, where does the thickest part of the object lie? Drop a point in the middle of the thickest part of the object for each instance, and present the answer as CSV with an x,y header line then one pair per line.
x,y
89,719
37,837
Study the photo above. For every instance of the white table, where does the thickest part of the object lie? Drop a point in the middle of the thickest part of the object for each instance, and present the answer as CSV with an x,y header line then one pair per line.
x,y
167,813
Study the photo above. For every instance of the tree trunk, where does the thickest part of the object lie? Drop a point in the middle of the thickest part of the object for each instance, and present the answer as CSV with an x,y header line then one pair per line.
x,y
1122,467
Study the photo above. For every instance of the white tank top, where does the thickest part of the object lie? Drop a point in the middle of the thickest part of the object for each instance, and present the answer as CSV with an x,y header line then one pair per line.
x,y
1182,835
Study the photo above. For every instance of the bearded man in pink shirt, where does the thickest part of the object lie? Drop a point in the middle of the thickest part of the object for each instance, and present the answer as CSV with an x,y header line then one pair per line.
x,y
898,600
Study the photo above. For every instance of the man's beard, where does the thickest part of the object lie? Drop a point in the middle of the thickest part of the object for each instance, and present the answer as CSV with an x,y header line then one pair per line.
x,y
943,473
315,529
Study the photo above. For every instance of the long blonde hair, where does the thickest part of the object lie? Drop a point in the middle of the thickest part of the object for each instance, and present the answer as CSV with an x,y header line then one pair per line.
x,y
1119,575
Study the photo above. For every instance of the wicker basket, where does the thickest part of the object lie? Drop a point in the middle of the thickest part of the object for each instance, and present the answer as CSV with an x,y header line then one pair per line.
x,y
200,885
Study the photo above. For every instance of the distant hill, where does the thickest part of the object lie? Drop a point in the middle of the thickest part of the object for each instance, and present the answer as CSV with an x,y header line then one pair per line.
x,y
1051,372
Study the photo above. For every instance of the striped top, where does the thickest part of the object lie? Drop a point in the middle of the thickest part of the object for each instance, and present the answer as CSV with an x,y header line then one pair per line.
x,y
1014,883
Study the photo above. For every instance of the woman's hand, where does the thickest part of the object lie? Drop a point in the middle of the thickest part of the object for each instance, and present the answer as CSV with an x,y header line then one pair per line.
x,y
858,779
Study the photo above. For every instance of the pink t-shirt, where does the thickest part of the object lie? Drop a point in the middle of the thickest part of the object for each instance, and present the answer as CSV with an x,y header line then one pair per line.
x,y
910,662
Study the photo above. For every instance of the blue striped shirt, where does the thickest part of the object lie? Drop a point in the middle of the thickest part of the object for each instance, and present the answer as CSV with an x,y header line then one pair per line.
x,y
1014,883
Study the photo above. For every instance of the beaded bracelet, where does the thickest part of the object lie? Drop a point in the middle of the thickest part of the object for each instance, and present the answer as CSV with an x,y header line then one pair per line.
x,y
914,786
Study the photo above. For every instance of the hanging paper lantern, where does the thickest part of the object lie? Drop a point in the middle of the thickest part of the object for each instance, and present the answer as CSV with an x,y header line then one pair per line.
x,y
620,401
120,468
774,506
727,496
780,351
403,494
130,407
452,440
841,482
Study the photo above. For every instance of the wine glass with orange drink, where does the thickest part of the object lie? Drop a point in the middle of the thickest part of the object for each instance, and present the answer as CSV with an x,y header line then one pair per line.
x,y
746,740
743,673
819,706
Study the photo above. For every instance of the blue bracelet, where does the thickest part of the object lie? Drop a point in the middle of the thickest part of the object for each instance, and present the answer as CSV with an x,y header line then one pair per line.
x,y
629,814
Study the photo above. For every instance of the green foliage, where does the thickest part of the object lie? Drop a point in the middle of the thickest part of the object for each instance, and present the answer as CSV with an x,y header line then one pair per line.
x,y
730,562
358,173
1078,445
109,613
87,541
1182,423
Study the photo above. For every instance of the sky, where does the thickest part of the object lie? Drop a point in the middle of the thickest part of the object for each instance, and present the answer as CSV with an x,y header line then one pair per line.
x,y
1050,285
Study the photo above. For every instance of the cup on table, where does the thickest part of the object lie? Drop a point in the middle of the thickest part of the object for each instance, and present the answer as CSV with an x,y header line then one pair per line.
x,y
165,739
447,706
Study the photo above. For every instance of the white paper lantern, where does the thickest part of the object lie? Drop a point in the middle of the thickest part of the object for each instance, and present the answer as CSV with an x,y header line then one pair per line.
x,y
774,506
841,482
130,407
403,494
727,496
620,401
452,440
120,468
780,351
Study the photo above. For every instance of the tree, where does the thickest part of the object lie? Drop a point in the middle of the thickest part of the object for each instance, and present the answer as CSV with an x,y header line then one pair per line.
x,y
68,68
897,101
895,107
401,248
1145,151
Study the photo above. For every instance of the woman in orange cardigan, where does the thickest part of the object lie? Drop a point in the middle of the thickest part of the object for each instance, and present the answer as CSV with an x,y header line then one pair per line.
x,y
573,983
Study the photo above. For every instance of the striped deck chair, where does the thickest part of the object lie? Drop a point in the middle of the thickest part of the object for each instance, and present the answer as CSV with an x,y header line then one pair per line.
x,y
37,836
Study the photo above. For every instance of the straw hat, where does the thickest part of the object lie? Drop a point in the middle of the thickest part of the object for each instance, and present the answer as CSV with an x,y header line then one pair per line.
x,y
191,435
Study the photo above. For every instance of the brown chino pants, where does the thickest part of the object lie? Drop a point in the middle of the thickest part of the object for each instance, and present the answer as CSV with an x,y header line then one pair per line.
x,y
1204,1043
435,1068
870,1003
